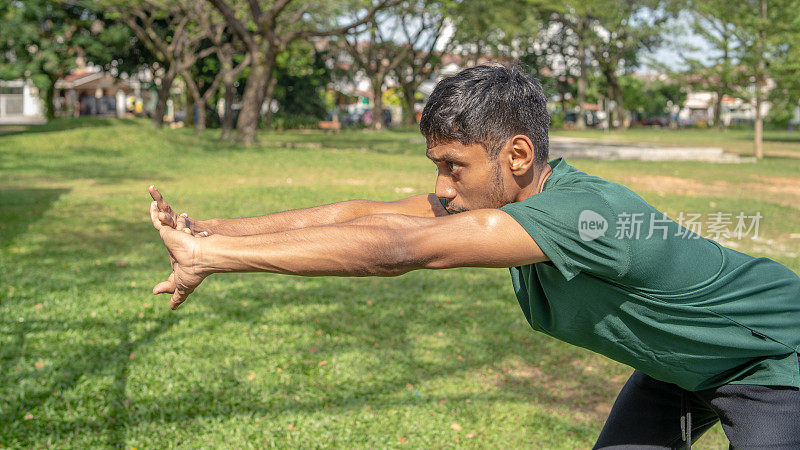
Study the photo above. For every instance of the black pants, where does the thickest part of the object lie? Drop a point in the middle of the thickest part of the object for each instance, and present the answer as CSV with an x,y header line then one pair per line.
x,y
652,414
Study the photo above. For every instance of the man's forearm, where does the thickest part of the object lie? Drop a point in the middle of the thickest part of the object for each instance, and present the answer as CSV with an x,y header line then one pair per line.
x,y
422,205
373,245
292,219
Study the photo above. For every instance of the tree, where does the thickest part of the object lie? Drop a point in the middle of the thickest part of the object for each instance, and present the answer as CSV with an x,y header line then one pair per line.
x,y
716,70
492,29
205,75
572,25
650,99
267,28
382,52
610,34
764,28
44,38
302,75
232,62
620,30
172,34
785,94
422,29
762,36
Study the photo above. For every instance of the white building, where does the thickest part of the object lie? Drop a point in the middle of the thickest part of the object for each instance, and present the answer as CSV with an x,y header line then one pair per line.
x,y
20,103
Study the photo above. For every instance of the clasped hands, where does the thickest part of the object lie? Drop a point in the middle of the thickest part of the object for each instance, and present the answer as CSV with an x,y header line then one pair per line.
x,y
185,239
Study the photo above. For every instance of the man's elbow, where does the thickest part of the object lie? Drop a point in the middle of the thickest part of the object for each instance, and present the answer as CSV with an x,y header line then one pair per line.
x,y
401,249
408,252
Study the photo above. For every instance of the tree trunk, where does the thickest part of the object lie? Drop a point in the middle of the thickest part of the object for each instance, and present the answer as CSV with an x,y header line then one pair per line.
x,y
718,112
227,120
50,96
259,79
583,80
615,94
188,101
200,107
408,104
228,79
247,124
270,94
621,113
163,96
377,104
759,125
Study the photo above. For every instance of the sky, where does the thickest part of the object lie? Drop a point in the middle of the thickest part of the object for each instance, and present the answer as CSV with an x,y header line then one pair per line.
x,y
669,53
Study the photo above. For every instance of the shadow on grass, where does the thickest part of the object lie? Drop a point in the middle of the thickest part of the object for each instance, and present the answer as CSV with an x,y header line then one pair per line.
x,y
23,207
386,142
793,138
387,331
547,374
419,328
64,124
76,363
91,161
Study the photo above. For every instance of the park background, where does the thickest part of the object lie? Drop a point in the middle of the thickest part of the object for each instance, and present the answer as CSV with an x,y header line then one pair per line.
x,y
237,108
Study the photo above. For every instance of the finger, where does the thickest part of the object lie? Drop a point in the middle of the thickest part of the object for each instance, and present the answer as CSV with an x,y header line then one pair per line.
x,y
154,216
182,226
177,298
181,223
162,204
163,287
166,219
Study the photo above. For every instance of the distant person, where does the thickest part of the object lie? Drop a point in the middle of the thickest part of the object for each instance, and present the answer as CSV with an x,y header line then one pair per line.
x,y
386,118
713,333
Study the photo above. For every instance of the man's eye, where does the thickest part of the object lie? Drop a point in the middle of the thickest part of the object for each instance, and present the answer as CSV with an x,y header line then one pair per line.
x,y
452,166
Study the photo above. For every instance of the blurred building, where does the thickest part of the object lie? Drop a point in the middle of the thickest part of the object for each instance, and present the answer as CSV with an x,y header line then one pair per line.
x,y
20,103
699,106
91,93
85,92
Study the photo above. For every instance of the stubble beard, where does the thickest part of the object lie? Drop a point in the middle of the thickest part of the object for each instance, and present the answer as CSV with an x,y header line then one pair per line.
x,y
495,196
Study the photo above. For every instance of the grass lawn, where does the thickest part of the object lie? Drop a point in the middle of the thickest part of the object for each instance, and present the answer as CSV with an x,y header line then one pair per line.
x,y
89,358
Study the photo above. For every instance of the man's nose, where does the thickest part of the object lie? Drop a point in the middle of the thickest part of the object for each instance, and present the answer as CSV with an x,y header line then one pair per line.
x,y
444,188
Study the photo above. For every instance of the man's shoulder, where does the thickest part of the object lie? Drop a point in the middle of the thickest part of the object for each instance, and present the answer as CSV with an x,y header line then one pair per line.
x,y
590,191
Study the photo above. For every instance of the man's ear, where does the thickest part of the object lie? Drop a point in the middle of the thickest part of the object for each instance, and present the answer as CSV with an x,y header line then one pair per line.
x,y
520,154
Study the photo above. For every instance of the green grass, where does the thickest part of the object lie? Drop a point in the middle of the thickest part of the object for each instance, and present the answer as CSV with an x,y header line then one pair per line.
x,y
89,358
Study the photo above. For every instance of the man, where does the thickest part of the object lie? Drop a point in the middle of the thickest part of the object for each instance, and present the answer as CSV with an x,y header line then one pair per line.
x,y
713,333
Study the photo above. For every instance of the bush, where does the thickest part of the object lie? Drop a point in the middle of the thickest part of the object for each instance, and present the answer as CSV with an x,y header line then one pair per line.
x,y
778,118
294,122
556,121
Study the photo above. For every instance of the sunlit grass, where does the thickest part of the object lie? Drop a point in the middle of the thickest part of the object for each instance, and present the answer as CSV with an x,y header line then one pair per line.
x,y
89,357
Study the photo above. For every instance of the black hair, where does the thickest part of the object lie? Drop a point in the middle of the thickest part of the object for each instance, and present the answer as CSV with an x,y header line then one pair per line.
x,y
488,105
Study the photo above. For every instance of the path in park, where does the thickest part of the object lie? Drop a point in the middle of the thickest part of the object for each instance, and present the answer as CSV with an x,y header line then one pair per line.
x,y
569,147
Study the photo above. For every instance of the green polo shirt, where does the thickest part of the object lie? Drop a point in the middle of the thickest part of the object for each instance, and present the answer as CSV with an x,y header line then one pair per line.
x,y
625,281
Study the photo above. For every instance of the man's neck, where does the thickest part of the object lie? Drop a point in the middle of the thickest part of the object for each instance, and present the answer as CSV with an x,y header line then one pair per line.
x,y
537,184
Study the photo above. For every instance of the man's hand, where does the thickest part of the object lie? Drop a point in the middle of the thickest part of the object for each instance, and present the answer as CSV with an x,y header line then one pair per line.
x,y
170,218
184,253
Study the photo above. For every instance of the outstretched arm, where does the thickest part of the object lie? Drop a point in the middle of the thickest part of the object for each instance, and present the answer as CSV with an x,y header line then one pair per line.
x,y
423,205
380,245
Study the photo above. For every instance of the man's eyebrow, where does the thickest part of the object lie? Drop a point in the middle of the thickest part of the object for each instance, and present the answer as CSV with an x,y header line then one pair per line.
x,y
443,157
